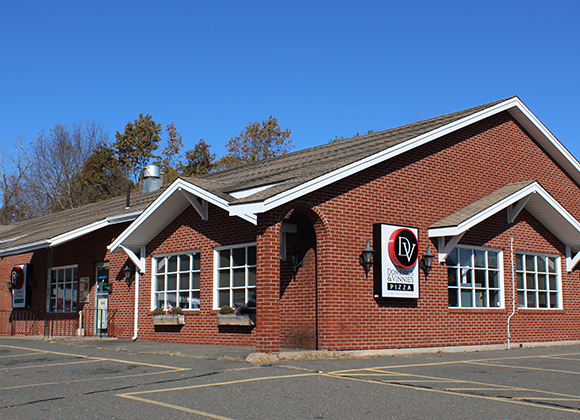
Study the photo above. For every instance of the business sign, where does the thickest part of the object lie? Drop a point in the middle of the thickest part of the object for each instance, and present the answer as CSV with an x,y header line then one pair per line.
x,y
396,267
19,284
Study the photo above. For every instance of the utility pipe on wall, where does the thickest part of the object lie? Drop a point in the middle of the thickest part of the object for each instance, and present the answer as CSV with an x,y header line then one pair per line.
x,y
513,292
137,277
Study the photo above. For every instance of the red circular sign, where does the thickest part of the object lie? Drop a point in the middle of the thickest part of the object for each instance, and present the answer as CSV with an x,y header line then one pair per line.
x,y
16,278
403,248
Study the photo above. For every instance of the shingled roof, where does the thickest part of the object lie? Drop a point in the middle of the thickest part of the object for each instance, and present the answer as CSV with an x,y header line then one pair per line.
x,y
284,172
56,228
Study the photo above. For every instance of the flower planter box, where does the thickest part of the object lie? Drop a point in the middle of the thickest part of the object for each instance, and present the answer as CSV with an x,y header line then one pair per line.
x,y
235,319
169,320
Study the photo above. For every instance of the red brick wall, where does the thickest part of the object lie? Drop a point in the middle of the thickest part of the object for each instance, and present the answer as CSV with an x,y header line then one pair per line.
x,y
417,189
85,252
185,233
330,299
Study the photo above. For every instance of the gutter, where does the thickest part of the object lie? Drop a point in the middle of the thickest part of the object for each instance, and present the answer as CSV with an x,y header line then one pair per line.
x,y
137,278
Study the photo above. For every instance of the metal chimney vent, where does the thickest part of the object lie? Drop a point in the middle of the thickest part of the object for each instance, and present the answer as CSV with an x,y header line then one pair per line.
x,y
151,178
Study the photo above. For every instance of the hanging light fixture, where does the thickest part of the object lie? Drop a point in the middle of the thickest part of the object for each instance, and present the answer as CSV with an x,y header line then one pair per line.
x,y
366,258
129,274
294,258
426,263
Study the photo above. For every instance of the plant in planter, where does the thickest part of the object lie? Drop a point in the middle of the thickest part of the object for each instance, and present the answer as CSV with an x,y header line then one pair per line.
x,y
173,317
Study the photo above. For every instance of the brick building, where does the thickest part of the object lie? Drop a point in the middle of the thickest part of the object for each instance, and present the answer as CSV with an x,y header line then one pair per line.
x,y
489,191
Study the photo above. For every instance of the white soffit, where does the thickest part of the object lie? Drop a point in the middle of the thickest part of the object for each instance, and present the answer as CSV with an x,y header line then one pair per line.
x,y
516,108
162,211
540,204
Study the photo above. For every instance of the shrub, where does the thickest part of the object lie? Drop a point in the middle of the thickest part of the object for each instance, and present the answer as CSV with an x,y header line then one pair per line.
x,y
177,311
226,310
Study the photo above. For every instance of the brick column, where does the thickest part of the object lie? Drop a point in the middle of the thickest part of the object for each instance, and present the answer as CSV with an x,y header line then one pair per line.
x,y
268,286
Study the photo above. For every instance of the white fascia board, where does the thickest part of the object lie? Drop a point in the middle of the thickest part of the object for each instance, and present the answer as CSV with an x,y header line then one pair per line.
x,y
485,214
77,233
558,207
73,234
500,205
355,167
44,243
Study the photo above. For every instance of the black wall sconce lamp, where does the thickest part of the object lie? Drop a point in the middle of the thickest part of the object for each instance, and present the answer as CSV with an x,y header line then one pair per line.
x,y
129,274
366,258
294,258
426,263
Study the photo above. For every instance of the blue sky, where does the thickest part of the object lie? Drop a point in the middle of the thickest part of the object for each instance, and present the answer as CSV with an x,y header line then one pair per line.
x,y
324,69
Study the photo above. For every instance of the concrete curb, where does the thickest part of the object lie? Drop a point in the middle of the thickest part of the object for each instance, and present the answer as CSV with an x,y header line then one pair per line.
x,y
270,358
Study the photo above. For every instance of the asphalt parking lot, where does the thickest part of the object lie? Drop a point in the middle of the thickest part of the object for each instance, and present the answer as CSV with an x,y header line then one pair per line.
x,y
123,380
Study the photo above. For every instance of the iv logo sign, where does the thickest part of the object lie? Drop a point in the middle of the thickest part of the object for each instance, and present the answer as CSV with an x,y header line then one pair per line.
x,y
403,248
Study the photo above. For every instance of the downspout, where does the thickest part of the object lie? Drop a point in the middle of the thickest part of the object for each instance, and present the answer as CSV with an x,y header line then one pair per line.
x,y
513,292
136,316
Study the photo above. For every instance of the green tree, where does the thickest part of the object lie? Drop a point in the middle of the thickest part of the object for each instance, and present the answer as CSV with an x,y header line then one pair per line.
x,y
102,176
198,161
170,163
258,141
136,145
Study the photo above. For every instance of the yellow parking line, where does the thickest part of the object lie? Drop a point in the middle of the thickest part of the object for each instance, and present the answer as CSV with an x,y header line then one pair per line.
x,y
49,365
240,381
462,361
458,381
18,355
525,367
88,380
177,407
96,358
484,397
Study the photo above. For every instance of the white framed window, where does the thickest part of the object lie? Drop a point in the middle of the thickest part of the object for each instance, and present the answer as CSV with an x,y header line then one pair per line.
x,y
538,280
63,293
176,280
235,276
474,278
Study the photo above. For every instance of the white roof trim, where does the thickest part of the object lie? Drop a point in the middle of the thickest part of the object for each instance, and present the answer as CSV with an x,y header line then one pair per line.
x,y
69,236
533,188
178,186
518,110
45,243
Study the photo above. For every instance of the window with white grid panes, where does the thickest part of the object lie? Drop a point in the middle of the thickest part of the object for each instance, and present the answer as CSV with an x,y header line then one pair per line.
x,y
63,289
177,280
538,281
236,276
474,278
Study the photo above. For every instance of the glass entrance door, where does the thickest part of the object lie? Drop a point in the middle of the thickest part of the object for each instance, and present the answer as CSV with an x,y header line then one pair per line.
x,y
102,300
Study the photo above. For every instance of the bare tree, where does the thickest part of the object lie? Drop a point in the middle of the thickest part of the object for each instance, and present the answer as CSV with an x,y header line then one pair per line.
x,y
57,159
13,189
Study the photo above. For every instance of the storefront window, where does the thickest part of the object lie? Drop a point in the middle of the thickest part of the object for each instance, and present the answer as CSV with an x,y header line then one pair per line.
x,y
177,280
236,276
63,289
538,281
474,278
